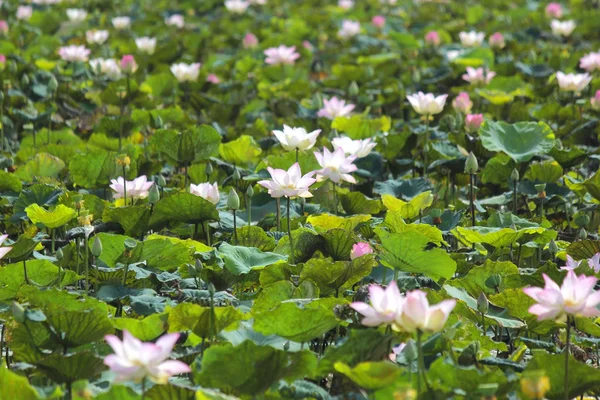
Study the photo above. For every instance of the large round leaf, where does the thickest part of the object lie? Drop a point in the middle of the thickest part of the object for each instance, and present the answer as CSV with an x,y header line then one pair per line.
x,y
182,207
521,141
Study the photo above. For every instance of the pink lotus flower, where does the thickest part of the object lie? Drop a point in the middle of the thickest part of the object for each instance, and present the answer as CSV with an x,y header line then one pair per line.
x,y
24,13
594,262
334,108
2,60
3,27
554,10
250,41
349,29
360,249
206,191
497,41
427,104
74,53
308,46
135,360
418,315
462,103
378,21
281,55
573,82
290,183
186,72
136,189
357,148
292,139
571,263
6,249
575,297
335,166
212,78
433,38
473,122
477,76
128,64
590,62
175,20
386,305
595,101
96,37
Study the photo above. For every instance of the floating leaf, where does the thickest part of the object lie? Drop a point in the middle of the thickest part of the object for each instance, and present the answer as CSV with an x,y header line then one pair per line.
x,y
521,141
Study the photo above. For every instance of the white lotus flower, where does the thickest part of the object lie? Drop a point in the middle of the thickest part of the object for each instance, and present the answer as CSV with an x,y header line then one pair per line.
x,y
292,139
136,189
175,20
237,6
590,62
478,76
121,23
108,67
290,183
24,13
74,53
96,37
334,108
427,104
146,44
471,39
206,191
349,29
6,249
573,82
356,148
335,166
562,28
76,14
186,72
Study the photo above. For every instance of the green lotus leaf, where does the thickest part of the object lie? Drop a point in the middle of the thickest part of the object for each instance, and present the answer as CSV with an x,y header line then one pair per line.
x,y
50,219
197,319
521,141
241,151
15,386
43,165
371,375
241,260
182,207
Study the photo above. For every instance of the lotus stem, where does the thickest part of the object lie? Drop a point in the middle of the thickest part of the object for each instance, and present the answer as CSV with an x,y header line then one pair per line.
x,y
124,185
289,229
472,198
566,351
235,238
426,146
207,231
278,201
25,272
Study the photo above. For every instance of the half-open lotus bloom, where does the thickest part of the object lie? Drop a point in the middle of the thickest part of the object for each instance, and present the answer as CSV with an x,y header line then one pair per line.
x,y
571,263
477,76
418,315
378,21
290,183
358,148
250,41
136,189
96,37
573,82
175,20
128,64
3,27
471,39
576,297
595,101
281,55
135,360
433,38
473,122
206,191
349,29
334,108
24,13
335,166
237,6
213,78
146,45
554,10
590,62
74,53
427,104
562,28
121,23
107,67
6,249
594,262
186,72
76,14
360,249
386,305
462,103
292,139
497,41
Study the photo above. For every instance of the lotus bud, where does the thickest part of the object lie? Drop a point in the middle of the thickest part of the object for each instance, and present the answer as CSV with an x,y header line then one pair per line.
x,y
410,351
208,169
582,234
552,247
211,289
514,176
483,305
250,192
198,265
353,89
160,181
236,174
471,165
97,247
52,84
18,312
153,194
59,254
233,200
192,271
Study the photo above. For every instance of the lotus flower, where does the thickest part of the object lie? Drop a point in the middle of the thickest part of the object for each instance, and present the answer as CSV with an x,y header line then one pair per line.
x,y
76,15
572,82
96,37
386,305
575,297
146,44
360,249
345,4
594,262
24,13
396,350
290,183
206,191
186,72
250,41
237,6
334,108
478,76
281,55
378,21
175,20
74,53
562,28
433,38
418,315
595,101
471,39
292,139
6,249
590,62
128,64
497,41
121,23
107,67
335,166
473,122
349,29
135,360
357,148
554,10
462,103
214,79
427,104
571,263
3,27
136,189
